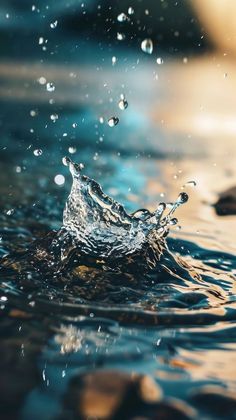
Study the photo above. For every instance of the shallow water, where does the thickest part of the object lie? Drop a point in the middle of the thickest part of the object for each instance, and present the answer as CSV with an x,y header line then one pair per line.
x,y
176,323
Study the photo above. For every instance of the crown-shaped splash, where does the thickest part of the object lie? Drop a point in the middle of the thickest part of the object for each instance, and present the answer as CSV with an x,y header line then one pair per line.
x,y
102,228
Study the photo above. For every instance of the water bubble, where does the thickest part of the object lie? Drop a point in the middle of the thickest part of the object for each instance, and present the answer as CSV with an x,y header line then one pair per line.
x,y
147,46
130,11
190,184
101,120
53,25
160,60
113,121
122,17
59,179
120,36
50,87
41,40
72,149
123,104
33,113
74,125
54,117
38,152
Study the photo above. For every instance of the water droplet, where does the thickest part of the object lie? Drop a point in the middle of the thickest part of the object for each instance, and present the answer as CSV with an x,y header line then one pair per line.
x,y
53,25
182,198
59,179
54,117
42,80
33,113
120,36
38,152
50,87
190,184
114,60
123,104
130,11
41,40
122,17
101,120
66,161
10,212
72,149
160,60
74,125
147,46
113,121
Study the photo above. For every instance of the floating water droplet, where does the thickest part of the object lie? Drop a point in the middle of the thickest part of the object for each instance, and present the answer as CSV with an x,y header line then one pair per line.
x,y
101,120
33,113
160,60
38,152
123,104
120,36
10,212
114,60
113,121
72,149
53,25
42,80
50,87
74,125
190,184
41,40
130,11
59,179
147,46
122,17
54,117
182,198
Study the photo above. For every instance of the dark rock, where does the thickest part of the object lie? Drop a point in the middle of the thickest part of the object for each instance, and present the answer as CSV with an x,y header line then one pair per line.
x,y
226,204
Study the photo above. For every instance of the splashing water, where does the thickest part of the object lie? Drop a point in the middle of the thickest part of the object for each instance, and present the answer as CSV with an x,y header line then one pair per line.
x,y
100,227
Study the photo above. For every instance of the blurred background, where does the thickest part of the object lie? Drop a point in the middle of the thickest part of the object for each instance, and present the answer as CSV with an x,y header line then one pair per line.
x,y
65,65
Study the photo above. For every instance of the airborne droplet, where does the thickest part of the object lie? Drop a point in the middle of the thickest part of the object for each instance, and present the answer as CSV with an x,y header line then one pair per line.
x,y
120,36
123,104
122,17
190,184
147,46
113,121
38,152
50,87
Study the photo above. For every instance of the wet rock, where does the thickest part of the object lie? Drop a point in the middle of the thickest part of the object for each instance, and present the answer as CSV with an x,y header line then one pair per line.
x,y
111,395
226,204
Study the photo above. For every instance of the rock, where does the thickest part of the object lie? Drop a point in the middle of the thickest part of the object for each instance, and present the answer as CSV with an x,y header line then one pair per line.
x,y
226,204
111,394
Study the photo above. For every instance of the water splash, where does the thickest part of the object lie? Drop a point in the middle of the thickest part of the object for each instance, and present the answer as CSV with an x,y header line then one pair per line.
x,y
101,228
